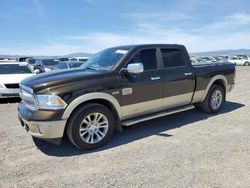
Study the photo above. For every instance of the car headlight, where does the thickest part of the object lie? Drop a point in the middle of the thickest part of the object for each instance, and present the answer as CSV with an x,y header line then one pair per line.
x,y
47,69
1,86
50,102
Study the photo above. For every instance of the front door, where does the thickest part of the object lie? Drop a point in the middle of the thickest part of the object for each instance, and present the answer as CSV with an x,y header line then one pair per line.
x,y
142,93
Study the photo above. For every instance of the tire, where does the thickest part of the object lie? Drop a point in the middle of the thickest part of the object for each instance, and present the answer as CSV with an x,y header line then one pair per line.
x,y
209,104
246,63
88,120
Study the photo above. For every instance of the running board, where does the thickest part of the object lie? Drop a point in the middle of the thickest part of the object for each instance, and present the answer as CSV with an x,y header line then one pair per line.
x,y
156,115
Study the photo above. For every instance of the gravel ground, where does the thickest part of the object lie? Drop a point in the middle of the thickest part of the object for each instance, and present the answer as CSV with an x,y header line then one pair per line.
x,y
189,149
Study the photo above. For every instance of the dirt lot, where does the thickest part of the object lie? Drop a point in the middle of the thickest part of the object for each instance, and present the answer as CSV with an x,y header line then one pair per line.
x,y
189,149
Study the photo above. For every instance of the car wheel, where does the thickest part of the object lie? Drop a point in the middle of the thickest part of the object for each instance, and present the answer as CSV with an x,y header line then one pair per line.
x,y
90,126
214,99
246,63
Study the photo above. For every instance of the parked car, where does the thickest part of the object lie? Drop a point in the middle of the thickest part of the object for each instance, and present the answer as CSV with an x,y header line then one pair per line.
x,y
240,61
11,73
45,64
83,59
244,56
207,59
31,62
220,59
68,65
120,86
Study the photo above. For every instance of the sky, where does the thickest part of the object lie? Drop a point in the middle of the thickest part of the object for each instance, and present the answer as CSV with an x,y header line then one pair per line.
x,y
60,27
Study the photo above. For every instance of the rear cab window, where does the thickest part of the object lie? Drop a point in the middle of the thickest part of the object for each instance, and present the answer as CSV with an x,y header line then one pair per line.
x,y
173,58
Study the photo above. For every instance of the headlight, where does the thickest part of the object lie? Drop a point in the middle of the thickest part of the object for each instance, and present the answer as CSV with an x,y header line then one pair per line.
x,y
1,86
47,69
50,102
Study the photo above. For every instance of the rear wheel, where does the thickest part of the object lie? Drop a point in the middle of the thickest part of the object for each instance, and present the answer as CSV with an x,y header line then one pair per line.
x,y
214,99
90,126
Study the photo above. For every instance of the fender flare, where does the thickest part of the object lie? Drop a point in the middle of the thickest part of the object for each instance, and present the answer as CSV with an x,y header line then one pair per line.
x,y
91,96
214,79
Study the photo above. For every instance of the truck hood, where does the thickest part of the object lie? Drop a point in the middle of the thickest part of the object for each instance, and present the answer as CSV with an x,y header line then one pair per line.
x,y
13,78
60,78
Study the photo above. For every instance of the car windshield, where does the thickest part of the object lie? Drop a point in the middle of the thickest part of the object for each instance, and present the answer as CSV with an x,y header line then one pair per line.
x,y
14,69
106,59
75,65
50,62
63,59
31,61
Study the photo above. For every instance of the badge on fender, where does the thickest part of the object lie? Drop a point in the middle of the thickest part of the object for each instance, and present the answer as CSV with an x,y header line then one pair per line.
x,y
127,91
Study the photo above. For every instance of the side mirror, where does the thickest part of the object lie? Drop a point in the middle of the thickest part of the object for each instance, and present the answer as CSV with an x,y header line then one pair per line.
x,y
135,68
36,71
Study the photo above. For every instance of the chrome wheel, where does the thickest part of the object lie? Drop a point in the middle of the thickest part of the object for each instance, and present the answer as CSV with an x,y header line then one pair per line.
x,y
94,128
216,99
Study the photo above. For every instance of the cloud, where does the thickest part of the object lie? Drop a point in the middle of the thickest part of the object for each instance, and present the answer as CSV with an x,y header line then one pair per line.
x,y
224,33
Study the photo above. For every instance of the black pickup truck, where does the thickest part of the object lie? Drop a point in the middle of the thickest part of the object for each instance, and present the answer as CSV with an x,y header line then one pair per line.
x,y
117,87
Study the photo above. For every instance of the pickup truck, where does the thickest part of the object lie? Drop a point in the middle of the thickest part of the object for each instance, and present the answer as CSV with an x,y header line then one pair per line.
x,y
117,87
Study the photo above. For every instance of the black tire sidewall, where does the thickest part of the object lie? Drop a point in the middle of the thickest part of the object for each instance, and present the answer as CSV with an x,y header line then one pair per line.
x,y
213,89
77,122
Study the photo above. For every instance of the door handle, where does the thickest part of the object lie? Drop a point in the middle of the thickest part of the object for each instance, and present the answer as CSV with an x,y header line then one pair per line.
x,y
188,73
156,78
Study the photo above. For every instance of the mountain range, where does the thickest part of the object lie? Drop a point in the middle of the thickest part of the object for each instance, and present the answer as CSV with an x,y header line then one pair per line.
x,y
212,53
224,52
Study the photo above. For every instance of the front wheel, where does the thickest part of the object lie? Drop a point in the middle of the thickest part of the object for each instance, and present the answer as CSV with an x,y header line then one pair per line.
x,y
214,99
90,126
246,63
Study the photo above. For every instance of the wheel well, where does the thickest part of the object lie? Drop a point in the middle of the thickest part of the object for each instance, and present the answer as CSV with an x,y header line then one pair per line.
x,y
220,83
107,104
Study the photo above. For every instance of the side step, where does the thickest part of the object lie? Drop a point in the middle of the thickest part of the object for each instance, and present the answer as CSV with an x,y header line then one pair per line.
x,y
156,115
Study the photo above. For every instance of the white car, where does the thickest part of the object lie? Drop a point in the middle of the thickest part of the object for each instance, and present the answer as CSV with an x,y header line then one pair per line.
x,y
11,74
83,59
240,60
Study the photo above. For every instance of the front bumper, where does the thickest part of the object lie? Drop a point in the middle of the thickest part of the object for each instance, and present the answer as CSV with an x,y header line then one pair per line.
x,y
44,129
9,93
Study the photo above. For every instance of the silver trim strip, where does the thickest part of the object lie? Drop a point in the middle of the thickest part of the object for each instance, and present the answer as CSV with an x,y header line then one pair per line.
x,y
160,114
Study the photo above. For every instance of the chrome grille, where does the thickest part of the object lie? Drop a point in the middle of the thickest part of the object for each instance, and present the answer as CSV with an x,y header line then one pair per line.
x,y
28,98
12,86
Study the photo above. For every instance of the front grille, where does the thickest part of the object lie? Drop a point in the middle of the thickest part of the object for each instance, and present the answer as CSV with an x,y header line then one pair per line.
x,y
10,94
28,98
12,86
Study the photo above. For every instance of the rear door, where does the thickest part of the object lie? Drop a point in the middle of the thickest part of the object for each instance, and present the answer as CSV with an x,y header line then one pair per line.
x,y
142,93
179,78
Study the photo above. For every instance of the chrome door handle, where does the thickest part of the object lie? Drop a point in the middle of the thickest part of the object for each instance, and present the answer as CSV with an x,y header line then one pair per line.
x,y
188,73
156,78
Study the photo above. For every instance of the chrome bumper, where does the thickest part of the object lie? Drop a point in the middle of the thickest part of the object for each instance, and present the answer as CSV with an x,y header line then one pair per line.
x,y
44,129
8,93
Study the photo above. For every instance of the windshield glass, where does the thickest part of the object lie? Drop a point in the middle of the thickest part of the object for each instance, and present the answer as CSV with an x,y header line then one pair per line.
x,y
14,69
50,62
31,61
106,59
74,65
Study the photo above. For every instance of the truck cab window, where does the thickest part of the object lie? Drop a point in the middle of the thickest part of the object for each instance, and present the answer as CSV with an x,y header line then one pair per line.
x,y
147,58
172,58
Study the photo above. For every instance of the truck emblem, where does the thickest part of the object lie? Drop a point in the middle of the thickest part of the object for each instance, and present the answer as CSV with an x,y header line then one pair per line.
x,y
127,91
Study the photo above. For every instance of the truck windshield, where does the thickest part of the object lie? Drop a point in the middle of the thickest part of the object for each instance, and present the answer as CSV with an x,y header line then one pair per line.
x,y
14,69
106,59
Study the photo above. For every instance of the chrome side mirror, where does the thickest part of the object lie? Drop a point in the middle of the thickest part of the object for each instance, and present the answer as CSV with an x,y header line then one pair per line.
x,y
135,68
36,71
